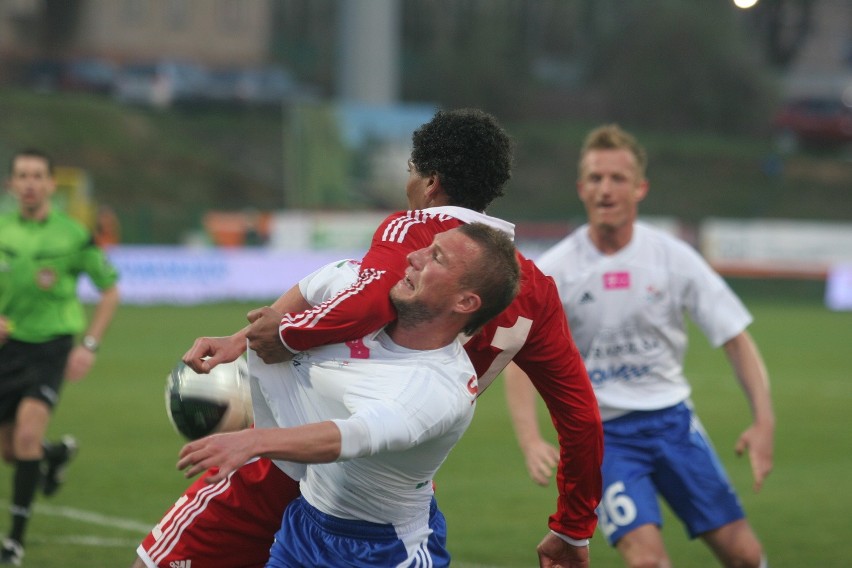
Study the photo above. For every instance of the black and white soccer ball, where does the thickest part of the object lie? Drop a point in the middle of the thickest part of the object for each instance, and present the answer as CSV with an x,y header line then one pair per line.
x,y
203,404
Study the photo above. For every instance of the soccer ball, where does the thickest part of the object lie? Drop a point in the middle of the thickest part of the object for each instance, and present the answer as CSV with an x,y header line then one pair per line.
x,y
199,404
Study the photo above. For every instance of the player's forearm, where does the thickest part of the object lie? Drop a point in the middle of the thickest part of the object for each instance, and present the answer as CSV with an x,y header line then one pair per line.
x,y
310,443
5,328
363,306
356,311
520,398
104,312
751,372
580,483
262,334
291,302
574,412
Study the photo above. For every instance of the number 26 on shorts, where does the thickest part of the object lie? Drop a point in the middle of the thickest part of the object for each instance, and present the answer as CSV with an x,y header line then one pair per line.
x,y
617,509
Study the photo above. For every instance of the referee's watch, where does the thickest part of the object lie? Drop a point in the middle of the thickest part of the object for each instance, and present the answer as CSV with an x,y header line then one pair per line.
x,y
91,343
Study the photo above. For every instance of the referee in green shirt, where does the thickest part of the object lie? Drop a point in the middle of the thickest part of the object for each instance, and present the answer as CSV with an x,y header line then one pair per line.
x,y
42,254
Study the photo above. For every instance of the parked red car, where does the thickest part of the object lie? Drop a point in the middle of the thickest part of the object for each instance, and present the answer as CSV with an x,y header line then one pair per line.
x,y
814,121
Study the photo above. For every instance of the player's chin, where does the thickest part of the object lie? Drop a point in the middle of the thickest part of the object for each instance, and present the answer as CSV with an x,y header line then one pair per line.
x,y
401,291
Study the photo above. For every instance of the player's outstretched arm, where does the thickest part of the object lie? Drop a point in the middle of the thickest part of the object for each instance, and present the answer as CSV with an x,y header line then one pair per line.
x,y
81,359
319,442
5,329
263,333
541,457
207,352
758,439
263,337
553,552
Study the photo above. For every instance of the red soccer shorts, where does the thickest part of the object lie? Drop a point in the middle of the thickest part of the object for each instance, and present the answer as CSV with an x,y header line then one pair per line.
x,y
230,524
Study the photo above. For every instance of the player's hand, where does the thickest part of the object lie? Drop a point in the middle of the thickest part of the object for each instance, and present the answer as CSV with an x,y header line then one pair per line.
x,y
541,458
263,338
5,329
758,440
227,452
79,363
553,552
207,352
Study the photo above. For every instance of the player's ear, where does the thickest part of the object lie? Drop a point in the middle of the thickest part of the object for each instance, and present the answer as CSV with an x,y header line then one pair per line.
x,y
434,191
641,190
468,303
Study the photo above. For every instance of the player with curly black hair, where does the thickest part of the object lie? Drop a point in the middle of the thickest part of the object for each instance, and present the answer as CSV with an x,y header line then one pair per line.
x,y
474,161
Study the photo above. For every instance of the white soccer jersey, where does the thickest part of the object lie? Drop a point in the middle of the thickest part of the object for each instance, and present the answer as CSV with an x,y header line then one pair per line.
x,y
399,411
626,313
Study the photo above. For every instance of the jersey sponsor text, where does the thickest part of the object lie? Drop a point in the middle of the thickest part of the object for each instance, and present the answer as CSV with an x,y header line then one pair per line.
x,y
616,280
603,375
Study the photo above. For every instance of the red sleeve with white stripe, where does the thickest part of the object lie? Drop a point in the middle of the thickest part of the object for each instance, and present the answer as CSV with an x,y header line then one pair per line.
x,y
533,332
365,306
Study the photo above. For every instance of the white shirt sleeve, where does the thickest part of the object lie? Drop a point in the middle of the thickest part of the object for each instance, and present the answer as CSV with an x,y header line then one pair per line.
x,y
428,410
708,299
324,283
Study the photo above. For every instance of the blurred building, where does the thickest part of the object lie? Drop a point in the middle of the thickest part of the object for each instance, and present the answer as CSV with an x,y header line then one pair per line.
x,y
220,32
823,64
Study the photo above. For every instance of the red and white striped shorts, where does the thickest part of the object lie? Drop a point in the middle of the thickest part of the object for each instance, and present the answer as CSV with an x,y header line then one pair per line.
x,y
230,524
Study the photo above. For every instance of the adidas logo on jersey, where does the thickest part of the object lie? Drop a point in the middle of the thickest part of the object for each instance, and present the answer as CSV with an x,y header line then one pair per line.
x,y
181,564
586,298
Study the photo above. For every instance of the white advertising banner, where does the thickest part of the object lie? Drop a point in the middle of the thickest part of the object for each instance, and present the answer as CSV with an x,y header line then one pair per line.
x,y
780,241
797,249
183,275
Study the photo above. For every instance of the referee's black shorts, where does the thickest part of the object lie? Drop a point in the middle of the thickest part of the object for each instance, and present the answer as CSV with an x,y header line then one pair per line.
x,y
34,370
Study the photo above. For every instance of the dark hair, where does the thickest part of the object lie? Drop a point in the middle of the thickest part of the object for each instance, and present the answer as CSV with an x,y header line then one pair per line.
x,y
613,137
32,153
496,276
469,151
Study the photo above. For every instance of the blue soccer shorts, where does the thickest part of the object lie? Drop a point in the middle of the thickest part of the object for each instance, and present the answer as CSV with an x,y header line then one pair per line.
x,y
662,452
310,538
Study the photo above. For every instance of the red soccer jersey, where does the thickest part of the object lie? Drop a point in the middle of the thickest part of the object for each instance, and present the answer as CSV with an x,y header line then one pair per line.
x,y
532,332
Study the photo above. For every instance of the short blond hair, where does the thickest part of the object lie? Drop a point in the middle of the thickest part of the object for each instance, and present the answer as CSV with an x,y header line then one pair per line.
x,y
613,137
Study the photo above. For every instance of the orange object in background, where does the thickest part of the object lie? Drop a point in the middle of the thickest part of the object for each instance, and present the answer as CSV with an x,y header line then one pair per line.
x,y
107,227
237,228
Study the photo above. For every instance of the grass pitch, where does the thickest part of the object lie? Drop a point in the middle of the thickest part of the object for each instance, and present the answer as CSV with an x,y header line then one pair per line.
x,y
124,476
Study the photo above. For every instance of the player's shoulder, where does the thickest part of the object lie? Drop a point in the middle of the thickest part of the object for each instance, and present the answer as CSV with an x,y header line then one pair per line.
x,y
62,221
659,238
566,252
8,218
529,269
538,290
422,216
8,225
653,233
397,226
